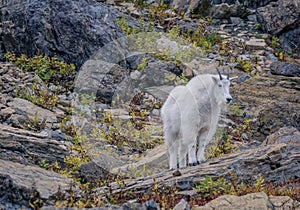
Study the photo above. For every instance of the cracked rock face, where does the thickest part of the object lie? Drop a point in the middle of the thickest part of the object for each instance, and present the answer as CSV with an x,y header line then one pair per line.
x,y
19,182
29,148
271,103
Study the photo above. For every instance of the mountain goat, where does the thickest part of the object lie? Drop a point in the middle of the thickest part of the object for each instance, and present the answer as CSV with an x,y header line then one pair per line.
x,y
190,116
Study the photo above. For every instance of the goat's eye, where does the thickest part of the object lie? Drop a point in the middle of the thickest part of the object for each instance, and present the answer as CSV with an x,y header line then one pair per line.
x,y
220,85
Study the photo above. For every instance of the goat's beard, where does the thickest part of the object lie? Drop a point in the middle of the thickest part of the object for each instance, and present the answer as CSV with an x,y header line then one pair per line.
x,y
224,106
220,103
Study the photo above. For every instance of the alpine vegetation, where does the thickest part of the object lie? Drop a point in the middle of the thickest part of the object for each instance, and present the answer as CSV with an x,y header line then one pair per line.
x,y
190,116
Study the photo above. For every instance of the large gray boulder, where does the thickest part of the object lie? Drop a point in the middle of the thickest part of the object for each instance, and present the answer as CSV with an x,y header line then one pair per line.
x,y
285,68
278,16
73,30
214,9
253,4
251,201
100,168
100,78
219,8
282,19
289,40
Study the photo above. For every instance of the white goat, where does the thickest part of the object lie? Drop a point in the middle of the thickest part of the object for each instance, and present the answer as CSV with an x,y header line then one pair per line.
x,y
190,116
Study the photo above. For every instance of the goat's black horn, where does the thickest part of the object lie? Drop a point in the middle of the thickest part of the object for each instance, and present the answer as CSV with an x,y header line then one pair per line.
x,y
219,74
228,74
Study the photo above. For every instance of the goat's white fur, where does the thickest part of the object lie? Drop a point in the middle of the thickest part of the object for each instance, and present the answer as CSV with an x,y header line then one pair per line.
x,y
190,117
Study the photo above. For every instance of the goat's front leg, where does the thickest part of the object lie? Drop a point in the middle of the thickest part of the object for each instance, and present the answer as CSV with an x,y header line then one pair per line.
x,y
202,139
192,154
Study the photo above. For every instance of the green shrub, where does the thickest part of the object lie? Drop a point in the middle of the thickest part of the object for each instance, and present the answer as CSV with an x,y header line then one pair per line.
x,y
244,65
143,65
209,187
49,69
223,147
124,25
275,42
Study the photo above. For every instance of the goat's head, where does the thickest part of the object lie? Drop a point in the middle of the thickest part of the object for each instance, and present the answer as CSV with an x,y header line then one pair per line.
x,y
221,90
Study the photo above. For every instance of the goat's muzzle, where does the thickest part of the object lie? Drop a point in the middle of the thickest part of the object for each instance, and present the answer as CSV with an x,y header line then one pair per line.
x,y
228,100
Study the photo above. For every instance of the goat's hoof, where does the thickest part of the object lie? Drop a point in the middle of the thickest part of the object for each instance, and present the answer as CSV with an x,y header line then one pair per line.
x,y
177,173
193,164
199,162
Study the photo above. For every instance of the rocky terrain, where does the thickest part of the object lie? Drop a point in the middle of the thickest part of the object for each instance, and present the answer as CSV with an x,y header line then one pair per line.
x,y
80,121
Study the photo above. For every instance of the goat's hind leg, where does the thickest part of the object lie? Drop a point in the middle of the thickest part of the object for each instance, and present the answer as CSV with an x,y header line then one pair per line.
x,y
173,155
187,142
172,143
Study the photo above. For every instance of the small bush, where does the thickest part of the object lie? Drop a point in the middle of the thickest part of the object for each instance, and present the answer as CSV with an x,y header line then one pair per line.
x,y
124,25
223,147
244,65
275,42
35,124
66,127
49,69
38,95
143,65
209,188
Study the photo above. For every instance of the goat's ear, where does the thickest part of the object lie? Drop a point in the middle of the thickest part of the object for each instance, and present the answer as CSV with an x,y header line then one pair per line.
x,y
216,80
